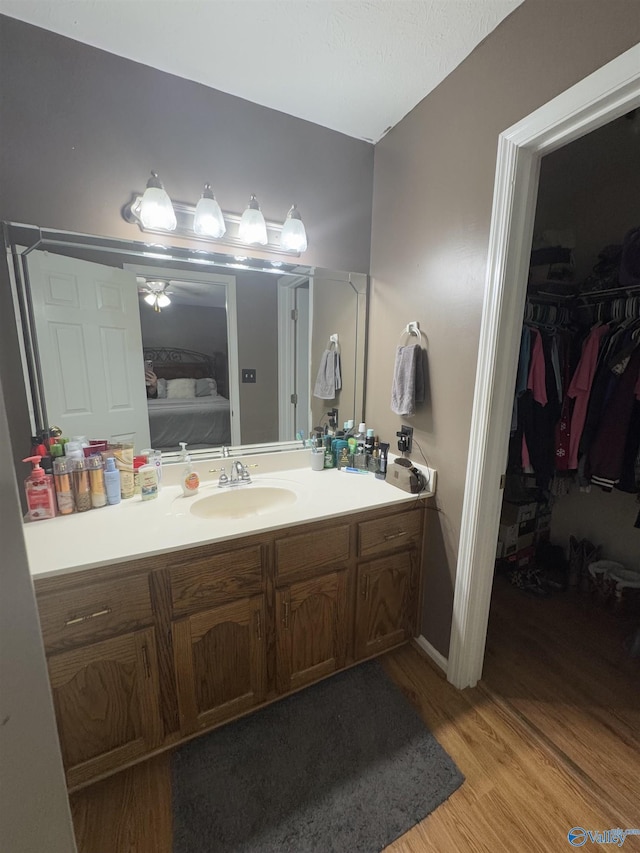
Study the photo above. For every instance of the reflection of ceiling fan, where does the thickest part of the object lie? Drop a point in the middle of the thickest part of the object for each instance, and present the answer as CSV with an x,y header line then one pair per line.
x,y
156,293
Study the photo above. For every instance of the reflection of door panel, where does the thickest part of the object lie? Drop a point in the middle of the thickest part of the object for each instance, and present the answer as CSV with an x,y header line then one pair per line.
x,y
88,330
301,391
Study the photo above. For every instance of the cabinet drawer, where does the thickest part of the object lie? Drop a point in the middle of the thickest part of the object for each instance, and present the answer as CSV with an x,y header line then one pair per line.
x,y
300,555
210,581
403,530
94,612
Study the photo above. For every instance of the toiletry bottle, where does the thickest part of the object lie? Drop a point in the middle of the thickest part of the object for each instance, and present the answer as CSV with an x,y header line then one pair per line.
x,y
369,442
329,461
382,462
62,476
339,444
190,480
148,478
138,462
81,486
96,480
361,436
112,481
40,493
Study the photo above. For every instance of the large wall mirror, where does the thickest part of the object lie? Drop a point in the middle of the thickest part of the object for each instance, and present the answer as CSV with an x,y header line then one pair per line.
x,y
157,344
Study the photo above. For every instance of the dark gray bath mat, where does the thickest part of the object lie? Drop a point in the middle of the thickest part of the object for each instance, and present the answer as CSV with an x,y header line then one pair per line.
x,y
345,766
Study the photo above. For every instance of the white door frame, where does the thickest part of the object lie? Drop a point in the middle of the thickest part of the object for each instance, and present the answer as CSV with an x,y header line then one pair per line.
x,y
608,93
286,348
229,283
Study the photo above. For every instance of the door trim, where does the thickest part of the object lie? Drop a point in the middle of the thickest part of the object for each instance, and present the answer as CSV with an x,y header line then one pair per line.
x,y
286,350
603,96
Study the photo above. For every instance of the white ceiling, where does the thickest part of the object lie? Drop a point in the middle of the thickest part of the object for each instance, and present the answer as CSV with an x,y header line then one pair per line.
x,y
356,66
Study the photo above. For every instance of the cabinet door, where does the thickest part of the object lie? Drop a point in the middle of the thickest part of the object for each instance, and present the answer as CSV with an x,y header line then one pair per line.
x,y
220,662
311,629
384,605
106,701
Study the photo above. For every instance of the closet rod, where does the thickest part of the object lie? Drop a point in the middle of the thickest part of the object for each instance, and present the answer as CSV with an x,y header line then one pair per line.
x,y
593,295
612,293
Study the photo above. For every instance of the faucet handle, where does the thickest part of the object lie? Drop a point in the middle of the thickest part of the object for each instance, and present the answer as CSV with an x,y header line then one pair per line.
x,y
223,480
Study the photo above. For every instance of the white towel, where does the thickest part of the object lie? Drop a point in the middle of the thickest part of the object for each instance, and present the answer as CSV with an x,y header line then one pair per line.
x,y
407,388
327,379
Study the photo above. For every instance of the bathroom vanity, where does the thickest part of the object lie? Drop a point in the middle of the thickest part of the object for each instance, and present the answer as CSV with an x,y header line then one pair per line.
x,y
223,615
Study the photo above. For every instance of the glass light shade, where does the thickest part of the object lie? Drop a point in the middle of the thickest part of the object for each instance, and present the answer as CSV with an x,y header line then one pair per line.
x,y
163,300
150,299
252,228
208,220
156,210
294,236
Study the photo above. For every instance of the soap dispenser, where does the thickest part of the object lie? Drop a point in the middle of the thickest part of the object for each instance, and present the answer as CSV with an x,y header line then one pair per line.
x,y
190,480
40,492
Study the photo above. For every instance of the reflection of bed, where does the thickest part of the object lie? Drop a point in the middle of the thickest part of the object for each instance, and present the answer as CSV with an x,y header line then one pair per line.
x,y
196,420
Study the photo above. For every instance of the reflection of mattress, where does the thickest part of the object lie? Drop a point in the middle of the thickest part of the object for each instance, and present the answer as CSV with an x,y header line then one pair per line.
x,y
196,420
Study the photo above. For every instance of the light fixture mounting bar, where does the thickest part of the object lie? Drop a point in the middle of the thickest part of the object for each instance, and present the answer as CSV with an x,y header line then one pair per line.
x,y
185,214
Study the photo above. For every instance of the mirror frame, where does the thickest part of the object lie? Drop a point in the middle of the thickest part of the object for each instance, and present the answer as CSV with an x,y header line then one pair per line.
x,y
20,240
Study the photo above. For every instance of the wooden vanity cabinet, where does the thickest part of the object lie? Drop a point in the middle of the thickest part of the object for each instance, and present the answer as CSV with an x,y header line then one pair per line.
x,y
144,654
311,613
103,668
387,587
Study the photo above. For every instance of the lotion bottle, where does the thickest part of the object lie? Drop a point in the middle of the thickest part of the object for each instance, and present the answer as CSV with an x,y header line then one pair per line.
x,y
40,492
112,481
190,480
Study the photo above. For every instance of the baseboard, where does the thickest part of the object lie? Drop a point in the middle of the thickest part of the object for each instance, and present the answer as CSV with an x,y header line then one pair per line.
x,y
432,652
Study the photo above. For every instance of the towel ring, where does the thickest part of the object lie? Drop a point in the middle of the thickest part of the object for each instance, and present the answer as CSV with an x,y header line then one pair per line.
x,y
413,329
333,339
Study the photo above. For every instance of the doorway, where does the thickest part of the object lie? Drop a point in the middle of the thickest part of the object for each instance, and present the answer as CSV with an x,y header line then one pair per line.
x,y
605,95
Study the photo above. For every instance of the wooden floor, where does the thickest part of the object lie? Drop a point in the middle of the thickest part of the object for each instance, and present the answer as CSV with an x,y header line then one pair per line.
x,y
547,741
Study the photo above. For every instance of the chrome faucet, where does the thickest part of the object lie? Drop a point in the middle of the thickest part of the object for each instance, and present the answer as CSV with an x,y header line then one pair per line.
x,y
238,474
241,473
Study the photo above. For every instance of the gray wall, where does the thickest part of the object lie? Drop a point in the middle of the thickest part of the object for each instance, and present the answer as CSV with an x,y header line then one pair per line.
x,y
82,129
202,329
433,190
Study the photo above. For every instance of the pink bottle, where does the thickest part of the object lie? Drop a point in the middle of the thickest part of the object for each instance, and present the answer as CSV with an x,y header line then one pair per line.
x,y
40,492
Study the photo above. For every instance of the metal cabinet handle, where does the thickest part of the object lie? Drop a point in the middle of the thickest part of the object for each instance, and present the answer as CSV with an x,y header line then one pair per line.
x,y
285,616
395,535
76,620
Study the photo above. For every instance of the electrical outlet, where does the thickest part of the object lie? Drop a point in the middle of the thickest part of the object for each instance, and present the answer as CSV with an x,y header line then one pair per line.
x,y
405,439
248,374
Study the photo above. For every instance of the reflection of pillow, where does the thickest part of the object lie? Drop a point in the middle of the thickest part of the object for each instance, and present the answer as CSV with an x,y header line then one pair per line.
x,y
162,388
181,389
206,387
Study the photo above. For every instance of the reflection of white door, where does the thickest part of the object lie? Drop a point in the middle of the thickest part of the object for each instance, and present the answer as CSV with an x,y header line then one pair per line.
x,y
87,326
294,342
303,344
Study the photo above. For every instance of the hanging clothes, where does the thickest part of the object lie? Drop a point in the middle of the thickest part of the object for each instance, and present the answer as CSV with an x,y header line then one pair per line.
x,y
580,390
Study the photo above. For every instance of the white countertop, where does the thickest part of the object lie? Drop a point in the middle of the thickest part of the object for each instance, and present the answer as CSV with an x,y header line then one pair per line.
x,y
135,529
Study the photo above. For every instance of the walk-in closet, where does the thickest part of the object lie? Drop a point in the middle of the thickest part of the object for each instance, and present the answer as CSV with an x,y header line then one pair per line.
x,y
563,646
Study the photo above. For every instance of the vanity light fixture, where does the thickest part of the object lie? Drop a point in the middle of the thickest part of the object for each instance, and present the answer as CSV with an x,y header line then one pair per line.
x,y
293,237
156,210
252,228
208,220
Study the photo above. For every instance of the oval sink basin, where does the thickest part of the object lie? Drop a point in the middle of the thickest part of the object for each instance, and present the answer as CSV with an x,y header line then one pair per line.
x,y
243,502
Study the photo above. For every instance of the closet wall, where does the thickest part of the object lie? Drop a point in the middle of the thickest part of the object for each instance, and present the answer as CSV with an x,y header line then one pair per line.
x,y
592,187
